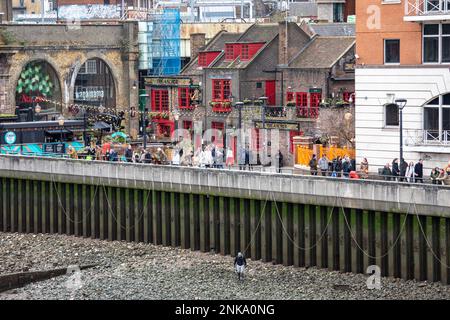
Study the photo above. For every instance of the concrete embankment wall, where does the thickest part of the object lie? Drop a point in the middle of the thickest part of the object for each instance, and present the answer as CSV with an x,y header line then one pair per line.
x,y
291,220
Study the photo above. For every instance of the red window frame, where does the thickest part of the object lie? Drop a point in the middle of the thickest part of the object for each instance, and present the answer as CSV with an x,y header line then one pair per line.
x,y
202,61
244,52
314,101
160,100
289,96
184,98
229,51
301,102
221,90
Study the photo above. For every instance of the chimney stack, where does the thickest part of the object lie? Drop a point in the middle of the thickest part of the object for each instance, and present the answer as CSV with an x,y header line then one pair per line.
x,y
283,57
198,42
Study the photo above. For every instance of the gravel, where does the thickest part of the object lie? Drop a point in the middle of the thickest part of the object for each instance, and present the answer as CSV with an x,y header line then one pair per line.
x,y
143,271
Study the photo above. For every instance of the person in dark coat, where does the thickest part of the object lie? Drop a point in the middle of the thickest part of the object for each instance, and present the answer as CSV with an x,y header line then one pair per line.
x,y
280,161
240,264
386,173
403,167
129,154
313,165
395,169
418,171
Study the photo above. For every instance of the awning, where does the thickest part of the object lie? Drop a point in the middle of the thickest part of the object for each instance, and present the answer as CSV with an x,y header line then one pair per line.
x,y
101,125
58,132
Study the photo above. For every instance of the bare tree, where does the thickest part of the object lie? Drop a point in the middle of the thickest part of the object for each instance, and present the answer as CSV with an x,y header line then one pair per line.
x,y
338,122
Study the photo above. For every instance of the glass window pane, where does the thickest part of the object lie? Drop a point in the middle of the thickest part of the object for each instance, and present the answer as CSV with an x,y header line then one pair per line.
x,y
430,49
445,118
392,115
446,29
435,101
446,99
431,119
431,29
445,49
392,51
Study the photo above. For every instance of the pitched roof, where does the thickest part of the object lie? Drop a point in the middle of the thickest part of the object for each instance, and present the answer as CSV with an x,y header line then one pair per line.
x,y
266,33
333,29
215,44
322,52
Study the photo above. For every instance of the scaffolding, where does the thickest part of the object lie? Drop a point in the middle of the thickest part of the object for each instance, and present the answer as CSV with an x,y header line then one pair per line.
x,y
160,43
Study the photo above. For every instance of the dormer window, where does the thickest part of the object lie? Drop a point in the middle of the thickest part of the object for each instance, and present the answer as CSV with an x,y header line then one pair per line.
x,y
229,51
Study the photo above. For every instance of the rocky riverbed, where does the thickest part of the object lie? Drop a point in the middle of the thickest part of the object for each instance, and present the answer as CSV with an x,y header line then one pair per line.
x,y
144,271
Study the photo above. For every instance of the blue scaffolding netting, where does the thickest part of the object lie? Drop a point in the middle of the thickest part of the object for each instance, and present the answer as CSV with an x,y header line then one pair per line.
x,y
159,41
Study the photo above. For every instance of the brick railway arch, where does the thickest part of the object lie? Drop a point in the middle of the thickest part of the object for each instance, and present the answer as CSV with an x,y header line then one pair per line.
x,y
75,71
45,60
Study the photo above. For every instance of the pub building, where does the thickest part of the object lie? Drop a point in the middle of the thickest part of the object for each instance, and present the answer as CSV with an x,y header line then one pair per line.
x,y
282,75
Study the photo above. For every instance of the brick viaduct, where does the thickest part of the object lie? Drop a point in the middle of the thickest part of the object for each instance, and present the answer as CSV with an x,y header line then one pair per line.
x,y
66,48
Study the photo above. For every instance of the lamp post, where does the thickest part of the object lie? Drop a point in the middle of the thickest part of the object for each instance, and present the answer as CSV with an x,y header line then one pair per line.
x,y
401,103
84,128
143,120
176,117
263,113
238,105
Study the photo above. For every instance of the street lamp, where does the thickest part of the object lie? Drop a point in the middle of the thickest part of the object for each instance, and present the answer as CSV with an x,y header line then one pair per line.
x,y
143,120
238,105
401,103
61,121
263,113
176,117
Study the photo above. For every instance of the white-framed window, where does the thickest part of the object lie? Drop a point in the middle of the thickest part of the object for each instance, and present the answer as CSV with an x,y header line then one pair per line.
x,y
89,67
391,51
436,43
436,117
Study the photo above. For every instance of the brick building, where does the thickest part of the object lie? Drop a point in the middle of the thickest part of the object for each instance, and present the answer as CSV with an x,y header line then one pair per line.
x,y
296,72
403,49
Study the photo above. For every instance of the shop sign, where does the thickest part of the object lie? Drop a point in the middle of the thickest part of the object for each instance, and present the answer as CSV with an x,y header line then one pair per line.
x,y
315,90
168,81
10,137
276,125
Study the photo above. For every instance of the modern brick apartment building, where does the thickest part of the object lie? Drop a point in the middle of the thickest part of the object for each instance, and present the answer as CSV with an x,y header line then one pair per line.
x,y
403,51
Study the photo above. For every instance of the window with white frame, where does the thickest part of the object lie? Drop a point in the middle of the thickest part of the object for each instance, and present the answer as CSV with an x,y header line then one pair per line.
x,y
89,67
436,43
391,51
436,117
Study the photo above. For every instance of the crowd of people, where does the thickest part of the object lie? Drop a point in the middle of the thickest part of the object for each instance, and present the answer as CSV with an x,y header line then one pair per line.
x,y
181,153
401,171
338,167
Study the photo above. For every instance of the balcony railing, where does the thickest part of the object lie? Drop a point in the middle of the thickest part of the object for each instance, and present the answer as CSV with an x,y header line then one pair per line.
x,y
427,137
415,8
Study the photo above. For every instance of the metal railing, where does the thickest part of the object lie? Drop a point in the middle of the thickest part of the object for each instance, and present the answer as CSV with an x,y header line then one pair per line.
x,y
426,7
258,169
427,137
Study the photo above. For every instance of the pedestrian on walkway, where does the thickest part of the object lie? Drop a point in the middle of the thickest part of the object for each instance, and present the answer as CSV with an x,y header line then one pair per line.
x,y
418,171
434,175
409,173
364,168
280,160
403,167
129,154
395,169
323,165
386,172
313,165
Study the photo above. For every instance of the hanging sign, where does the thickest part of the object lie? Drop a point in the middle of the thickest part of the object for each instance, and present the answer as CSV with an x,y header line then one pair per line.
x,y
10,137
